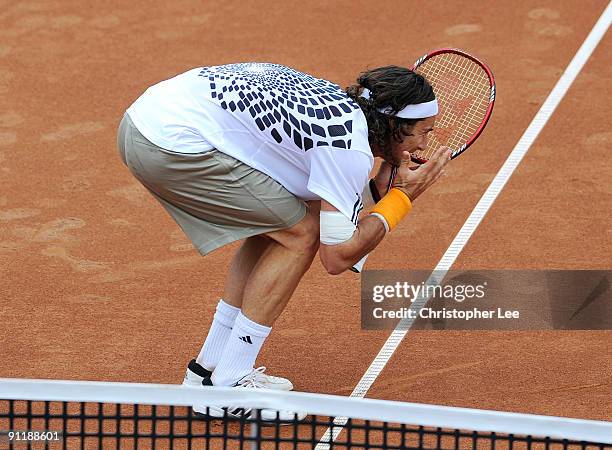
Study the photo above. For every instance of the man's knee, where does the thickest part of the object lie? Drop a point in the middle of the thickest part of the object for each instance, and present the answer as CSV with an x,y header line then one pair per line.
x,y
303,237
307,234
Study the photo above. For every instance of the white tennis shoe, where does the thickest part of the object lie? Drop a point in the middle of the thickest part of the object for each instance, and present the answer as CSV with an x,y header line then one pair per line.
x,y
196,375
270,381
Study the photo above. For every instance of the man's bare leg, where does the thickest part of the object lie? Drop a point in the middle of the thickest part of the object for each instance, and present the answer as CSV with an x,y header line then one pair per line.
x,y
267,290
273,280
245,260
229,305
279,270
241,267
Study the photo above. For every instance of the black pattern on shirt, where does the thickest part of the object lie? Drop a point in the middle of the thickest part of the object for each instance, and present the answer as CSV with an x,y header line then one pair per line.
x,y
287,104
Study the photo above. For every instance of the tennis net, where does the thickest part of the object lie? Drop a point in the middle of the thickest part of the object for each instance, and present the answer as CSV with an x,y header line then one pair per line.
x,y
80,414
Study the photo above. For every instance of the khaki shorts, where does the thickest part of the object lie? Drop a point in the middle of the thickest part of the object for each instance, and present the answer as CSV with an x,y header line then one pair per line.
x,y
214,198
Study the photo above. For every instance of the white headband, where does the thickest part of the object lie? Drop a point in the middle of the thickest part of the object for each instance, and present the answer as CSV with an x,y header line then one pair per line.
x,y
418,111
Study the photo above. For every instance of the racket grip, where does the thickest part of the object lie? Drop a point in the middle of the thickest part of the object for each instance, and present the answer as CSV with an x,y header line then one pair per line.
x,y
358,266
391,178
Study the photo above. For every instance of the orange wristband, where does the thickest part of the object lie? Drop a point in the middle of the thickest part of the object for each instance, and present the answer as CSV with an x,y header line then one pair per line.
x,y
393,207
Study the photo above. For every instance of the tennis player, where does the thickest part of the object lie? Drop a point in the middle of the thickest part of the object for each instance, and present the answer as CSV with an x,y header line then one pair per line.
x,y
280,159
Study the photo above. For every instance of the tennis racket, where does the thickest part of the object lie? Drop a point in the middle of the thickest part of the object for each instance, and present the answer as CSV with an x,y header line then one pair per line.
x,y
465,89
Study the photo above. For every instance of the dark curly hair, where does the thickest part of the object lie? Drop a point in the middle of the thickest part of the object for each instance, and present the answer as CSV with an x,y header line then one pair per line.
x,y
390,87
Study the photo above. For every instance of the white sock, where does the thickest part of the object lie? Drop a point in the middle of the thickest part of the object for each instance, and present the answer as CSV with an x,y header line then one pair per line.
x,y
241,351
219,333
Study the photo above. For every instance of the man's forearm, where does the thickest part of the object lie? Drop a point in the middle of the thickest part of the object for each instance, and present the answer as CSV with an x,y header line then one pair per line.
x,y
340,257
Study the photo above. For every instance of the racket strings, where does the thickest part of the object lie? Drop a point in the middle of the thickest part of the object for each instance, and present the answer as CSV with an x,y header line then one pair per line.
x,y
462,113
463,91
472,83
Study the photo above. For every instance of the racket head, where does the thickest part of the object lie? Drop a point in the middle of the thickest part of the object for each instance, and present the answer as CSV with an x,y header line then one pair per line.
x,y
465,89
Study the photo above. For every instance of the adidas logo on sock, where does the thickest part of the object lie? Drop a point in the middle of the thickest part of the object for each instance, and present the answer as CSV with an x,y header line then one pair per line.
x,y
246,339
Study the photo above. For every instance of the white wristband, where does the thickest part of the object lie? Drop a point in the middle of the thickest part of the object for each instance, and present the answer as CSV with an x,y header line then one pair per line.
x,y
383,220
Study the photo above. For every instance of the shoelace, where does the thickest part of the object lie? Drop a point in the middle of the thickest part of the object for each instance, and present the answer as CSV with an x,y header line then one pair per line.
x,y
254,379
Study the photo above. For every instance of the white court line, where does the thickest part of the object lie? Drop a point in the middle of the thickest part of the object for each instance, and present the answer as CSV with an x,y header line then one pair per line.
x,y
472,222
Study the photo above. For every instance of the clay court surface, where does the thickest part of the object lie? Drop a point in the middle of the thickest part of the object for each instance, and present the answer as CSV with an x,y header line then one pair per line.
x,y
98,283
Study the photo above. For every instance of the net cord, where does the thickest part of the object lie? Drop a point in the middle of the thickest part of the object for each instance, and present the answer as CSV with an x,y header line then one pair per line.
x,y
316,404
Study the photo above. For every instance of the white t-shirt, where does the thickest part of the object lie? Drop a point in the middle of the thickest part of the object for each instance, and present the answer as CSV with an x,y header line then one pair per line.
x,y
304,132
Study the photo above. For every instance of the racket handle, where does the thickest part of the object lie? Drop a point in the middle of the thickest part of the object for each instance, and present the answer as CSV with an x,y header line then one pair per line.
x,y
392,178
358,266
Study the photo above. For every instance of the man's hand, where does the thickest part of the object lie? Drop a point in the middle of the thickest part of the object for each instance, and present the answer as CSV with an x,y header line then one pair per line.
x,y
414,181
